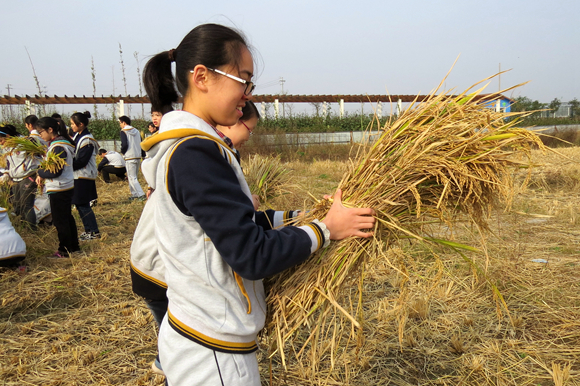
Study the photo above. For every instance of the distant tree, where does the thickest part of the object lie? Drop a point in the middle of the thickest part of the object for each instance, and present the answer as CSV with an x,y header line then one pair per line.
x,y
523,103
555,105
574,107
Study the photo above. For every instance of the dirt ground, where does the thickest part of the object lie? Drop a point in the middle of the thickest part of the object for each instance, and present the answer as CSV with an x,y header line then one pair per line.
x,y
430,315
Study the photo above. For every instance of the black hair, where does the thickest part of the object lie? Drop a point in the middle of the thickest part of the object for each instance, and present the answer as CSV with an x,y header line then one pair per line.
x,y
249,111
56,124
81,118
212,45
8,131
102,151
30,120
56,115
125,119
151,124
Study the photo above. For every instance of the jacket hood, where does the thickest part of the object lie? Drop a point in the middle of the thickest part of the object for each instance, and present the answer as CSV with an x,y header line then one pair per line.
x,y
174,126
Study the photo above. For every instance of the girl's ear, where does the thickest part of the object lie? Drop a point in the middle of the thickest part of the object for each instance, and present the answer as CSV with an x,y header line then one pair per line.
x,y
200,77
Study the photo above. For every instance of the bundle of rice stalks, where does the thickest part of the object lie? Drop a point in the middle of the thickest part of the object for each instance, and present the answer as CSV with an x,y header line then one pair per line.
x,y
52,162
22,144
265,176
442,158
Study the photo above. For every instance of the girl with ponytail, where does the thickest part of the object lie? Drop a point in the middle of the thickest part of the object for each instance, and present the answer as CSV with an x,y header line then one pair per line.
x,y
199,241
85,172
59,184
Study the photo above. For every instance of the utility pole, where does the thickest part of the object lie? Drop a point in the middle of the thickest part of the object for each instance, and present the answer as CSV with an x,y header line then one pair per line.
x,y
8,88
282,81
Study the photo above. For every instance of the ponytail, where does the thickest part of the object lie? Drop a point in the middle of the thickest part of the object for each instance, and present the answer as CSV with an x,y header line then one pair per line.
x,y
211,45
159,83
81,118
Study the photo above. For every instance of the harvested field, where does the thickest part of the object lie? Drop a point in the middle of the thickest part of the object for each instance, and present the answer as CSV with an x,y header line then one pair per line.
x,y
429,317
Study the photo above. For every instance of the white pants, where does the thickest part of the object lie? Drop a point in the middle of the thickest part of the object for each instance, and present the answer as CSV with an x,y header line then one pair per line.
x,y
132,170
188,363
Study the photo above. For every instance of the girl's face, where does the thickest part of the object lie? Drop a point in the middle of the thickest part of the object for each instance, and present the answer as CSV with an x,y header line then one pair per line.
x,y
218,99
156,118
76,128
47,135
152,128
239,133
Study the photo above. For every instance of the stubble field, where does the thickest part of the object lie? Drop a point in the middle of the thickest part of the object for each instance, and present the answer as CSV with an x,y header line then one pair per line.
x,y
429,316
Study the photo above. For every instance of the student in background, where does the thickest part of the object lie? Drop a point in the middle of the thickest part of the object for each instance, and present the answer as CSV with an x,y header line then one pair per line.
x,y
112,163
60,184
6,131
131,149
156,117
22,169
152,129
29,122
85,174
240,132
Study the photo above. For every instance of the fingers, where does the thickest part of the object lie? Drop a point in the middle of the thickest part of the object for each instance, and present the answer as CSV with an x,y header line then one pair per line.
x,y
365,212
365,235
337,197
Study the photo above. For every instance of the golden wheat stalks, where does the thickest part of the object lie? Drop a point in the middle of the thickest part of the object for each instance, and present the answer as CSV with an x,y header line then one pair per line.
x,y
441,158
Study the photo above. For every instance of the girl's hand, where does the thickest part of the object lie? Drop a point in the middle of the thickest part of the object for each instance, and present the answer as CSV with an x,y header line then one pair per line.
x,y
256,201
39,180
344,222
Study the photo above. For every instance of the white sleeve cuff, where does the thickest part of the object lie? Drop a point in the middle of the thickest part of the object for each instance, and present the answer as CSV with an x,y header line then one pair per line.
x,y
318,233
281,218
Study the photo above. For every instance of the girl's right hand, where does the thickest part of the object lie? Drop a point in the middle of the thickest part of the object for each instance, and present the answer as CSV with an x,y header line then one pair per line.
x,y
39,180
344,222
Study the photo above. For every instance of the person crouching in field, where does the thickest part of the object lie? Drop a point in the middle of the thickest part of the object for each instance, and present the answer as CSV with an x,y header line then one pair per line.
x,y
112,163
60,184
131,149
85,174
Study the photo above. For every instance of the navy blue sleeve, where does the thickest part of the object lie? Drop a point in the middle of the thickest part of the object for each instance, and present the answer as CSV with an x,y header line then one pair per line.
x,y
124,143
83,157
45,173
102,164
202,184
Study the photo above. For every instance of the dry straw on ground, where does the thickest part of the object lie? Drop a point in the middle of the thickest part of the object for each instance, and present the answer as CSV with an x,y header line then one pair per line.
x,y
78,322
102,334
440,160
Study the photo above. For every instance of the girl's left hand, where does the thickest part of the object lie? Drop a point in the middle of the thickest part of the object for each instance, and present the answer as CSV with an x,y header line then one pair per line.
x,y
39,180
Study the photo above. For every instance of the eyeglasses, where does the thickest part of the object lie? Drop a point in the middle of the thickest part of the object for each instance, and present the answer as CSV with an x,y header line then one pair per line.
x,y
250,86
250,130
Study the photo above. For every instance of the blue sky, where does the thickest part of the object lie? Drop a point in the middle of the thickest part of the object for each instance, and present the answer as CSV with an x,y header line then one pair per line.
x,y
318,47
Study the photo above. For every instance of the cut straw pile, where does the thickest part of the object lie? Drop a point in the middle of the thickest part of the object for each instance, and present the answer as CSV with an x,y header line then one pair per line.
x,y
440,159
266,177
